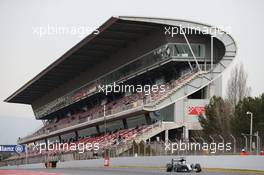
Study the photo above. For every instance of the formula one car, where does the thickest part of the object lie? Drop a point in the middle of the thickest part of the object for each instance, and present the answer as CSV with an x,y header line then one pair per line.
x,y
180,165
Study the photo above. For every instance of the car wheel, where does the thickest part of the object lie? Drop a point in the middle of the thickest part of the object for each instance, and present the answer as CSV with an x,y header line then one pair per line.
x,y
198,168
169,167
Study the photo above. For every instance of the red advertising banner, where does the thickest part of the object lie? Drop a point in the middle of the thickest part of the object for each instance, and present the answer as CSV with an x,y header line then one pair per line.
x,y
196,110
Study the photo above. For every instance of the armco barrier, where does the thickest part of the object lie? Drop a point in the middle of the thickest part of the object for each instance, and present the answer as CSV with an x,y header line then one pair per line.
x,y
227,162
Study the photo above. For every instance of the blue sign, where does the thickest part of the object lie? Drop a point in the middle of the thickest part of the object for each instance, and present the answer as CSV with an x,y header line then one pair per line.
x,y
13,148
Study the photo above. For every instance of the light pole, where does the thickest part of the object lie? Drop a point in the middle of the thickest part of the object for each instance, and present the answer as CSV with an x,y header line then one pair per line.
x,y
251,130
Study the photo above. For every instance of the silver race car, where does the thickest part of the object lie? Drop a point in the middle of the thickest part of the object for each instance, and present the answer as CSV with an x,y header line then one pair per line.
x,y
180,165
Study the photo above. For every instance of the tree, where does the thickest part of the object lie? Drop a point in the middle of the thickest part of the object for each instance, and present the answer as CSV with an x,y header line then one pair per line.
x,y
217,118
221,119
241,122
237,88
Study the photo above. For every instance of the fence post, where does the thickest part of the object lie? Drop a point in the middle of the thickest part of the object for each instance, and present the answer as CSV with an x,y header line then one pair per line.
x,y
195,144
138,151
223,141
234,141
164,146
144,146
245,141
202,139
213,141
178,150
150,150
258,145
156,148
133,150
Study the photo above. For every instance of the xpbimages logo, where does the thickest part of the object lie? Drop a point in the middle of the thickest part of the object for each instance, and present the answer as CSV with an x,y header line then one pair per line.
x,y
117,88
65,147
193,146
193,30
52,30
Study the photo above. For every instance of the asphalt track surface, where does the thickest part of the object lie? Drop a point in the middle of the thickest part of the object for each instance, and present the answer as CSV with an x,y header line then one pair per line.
x,y
105,171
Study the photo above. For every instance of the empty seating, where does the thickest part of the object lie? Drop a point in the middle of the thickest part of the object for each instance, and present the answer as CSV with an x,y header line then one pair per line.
x,y
115,106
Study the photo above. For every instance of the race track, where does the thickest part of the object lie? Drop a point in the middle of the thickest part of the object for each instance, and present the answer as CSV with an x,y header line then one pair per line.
x,y
107,171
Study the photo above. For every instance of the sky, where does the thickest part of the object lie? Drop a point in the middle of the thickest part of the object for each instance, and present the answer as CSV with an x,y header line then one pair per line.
x,y
24,53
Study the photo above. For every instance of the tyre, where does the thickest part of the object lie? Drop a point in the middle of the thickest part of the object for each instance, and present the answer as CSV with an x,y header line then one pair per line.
x,y
198,168
169,167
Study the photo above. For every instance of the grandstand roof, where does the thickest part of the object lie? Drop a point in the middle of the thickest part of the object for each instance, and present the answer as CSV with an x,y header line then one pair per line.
x,y
113,35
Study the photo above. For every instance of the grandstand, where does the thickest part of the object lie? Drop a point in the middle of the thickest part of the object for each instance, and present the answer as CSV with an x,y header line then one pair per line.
x,y
134,51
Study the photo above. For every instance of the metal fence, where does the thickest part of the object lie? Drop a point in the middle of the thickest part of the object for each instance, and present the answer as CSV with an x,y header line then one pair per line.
x,y
153,148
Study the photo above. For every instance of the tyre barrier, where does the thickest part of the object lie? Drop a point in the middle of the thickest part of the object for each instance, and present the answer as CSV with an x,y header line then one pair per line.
x,y
51,164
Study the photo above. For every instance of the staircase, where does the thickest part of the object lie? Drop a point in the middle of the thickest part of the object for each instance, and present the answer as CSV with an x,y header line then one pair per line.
x,y
149,132
195,82
180,85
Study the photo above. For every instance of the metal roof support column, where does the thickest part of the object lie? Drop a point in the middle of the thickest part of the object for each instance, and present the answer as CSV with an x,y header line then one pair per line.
x,y
212,55
187,41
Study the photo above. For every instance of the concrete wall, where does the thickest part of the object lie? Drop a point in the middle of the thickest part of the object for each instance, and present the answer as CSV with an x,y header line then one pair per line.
x,y
227,162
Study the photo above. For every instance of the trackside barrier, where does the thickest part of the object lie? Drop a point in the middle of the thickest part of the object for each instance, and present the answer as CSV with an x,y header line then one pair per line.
x,y
106,161
227,162
51,164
